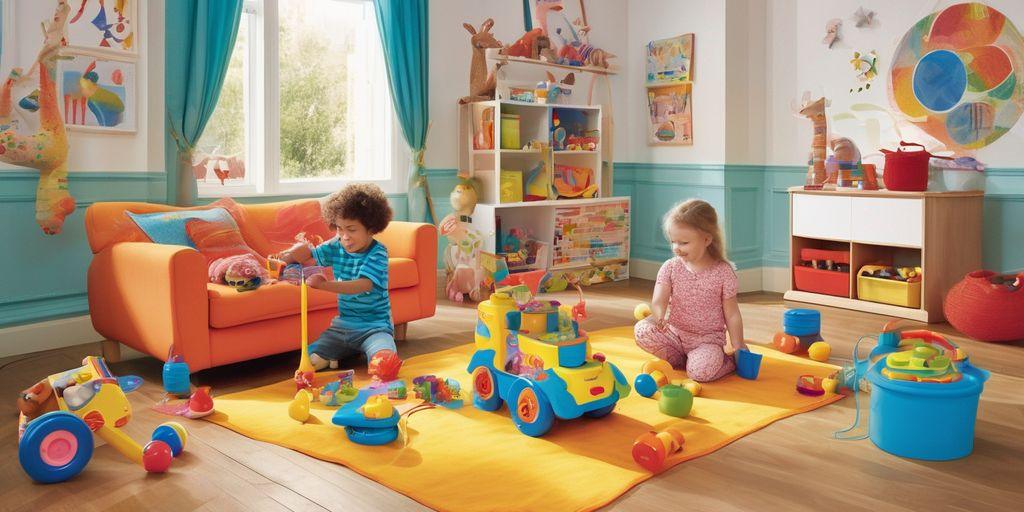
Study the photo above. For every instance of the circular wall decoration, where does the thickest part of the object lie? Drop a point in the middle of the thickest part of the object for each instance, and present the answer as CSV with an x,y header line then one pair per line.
x,y
958,75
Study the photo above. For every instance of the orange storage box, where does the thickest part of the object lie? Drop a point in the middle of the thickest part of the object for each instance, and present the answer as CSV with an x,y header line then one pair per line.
x,y
816,280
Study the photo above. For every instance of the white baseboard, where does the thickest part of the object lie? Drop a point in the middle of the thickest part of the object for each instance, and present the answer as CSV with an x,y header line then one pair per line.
x,y
775,279
63,332
749,280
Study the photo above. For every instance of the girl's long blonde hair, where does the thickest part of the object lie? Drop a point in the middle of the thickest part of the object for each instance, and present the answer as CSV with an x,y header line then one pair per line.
x,y
701,216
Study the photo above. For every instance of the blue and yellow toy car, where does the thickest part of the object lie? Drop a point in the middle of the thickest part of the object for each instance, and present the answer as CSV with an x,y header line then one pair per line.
x,y
536,357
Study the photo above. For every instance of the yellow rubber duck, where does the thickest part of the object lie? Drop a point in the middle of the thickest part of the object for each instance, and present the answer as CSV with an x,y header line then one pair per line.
x,y
298,410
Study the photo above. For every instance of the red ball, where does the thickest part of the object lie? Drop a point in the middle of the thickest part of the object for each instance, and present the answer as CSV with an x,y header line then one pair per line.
x,y
157,457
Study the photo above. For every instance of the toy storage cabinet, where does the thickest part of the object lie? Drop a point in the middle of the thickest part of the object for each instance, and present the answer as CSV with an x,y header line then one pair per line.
x,y
938,231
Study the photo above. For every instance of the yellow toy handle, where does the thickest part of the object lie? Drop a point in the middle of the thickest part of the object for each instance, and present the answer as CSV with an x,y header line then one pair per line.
x,y
121,442
305,365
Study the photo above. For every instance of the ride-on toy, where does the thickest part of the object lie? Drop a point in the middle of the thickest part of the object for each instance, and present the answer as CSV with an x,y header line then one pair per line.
x,y
534,355
56,445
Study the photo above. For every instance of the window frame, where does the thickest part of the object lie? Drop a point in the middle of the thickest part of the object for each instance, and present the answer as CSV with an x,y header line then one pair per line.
x,y
263,122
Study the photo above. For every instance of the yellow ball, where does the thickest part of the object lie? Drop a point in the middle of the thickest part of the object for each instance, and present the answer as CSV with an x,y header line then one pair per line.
x,y
819,351
641,311
693,387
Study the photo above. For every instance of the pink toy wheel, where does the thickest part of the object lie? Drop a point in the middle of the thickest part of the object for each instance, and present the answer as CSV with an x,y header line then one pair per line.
x,y
58,448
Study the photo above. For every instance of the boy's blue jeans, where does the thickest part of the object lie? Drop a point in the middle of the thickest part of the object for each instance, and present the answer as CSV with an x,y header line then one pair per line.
x,y
337,342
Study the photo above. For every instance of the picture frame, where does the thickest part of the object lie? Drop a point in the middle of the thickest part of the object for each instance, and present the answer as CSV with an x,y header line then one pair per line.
x,y
109,104
97,27
670,60
670,114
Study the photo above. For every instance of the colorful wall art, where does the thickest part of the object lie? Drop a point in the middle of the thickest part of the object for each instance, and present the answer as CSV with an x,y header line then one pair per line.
x,y
957,74
671,115
105,25
97,93
670,60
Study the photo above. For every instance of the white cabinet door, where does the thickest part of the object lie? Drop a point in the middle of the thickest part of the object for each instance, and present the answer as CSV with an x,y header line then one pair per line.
x,y
888,221
820,216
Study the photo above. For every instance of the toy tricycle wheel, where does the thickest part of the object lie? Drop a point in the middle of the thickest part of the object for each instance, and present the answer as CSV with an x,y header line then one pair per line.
x,y
602,412
56,447
530,409
485,390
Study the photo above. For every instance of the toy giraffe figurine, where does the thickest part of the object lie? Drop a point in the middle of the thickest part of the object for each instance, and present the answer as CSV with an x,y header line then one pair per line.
x,y
47,149
305,375
481,81
816,113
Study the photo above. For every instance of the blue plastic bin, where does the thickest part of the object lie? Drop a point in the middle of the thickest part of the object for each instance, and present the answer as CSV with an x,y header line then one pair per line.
x,y
925,420
801,322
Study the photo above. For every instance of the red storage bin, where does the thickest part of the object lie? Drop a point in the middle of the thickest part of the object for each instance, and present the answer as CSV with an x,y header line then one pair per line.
x,y
907,171
816,280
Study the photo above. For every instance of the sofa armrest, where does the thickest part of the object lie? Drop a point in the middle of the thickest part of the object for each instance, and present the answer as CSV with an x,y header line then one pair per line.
x,y
150,296
418,242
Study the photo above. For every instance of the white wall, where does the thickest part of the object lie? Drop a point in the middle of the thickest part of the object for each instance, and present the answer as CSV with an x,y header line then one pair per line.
x,y
658,19
450,58
798,61
106,152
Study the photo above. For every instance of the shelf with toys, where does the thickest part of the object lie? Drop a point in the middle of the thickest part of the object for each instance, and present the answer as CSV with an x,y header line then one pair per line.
x,y
882,252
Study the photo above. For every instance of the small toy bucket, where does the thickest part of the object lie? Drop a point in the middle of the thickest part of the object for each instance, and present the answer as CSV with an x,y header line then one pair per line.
x,y
801,322
675,401
748,364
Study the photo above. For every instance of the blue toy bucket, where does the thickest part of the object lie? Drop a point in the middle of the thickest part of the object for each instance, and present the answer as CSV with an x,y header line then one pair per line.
x,y
801,322
925,420
748,364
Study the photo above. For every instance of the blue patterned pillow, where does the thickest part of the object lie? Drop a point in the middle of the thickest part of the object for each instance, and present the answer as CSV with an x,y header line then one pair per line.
x,y
169,227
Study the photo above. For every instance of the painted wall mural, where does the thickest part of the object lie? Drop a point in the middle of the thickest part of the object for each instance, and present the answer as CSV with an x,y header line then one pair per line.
x,y
957,74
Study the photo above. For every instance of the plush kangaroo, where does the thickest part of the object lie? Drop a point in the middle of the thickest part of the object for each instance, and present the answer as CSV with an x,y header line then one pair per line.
x,y
481,81
37,400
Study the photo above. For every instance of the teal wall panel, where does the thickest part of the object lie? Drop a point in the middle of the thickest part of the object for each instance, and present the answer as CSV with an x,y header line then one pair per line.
x,y
44,276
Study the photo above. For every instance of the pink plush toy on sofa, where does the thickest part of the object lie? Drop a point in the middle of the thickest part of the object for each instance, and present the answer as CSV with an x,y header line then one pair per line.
x,y
242,271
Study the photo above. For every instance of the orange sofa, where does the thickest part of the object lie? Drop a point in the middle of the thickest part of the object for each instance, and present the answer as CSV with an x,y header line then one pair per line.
x,y
150,296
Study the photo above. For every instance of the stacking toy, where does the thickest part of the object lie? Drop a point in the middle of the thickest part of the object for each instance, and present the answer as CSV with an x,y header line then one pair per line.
x,y
651,449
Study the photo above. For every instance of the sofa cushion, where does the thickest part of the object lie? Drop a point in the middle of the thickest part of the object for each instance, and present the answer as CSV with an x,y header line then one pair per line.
x,y
229,307
402,273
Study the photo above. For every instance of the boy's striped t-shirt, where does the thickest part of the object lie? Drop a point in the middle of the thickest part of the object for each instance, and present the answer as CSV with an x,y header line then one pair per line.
x,y
367,310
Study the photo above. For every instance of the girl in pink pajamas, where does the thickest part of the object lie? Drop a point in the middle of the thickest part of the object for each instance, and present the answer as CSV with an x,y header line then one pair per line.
x,y
694,298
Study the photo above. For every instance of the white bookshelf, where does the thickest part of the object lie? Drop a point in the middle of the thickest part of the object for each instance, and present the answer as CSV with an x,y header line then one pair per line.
x,y
544,219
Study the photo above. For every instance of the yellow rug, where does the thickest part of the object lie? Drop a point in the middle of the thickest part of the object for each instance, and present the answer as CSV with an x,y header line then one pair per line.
x,y
468,459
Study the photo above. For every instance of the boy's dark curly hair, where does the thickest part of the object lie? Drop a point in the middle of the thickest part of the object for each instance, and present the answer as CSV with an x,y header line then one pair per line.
x,y
364,202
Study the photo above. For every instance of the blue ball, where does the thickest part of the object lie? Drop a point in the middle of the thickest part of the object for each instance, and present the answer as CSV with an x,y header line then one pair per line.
x,y
645,385
170,436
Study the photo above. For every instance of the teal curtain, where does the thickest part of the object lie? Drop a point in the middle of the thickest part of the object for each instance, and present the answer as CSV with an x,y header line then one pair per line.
x,y
200,35
403,33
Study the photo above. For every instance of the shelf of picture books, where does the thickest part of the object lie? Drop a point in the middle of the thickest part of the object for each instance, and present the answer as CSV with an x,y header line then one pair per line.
x,y
525,152
588,239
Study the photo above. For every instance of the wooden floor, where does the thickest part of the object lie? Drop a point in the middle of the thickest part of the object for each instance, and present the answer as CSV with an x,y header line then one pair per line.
x,y
791,465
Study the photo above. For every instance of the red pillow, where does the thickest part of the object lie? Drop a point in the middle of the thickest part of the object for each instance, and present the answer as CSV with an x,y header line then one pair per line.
x,y
305,217
217,240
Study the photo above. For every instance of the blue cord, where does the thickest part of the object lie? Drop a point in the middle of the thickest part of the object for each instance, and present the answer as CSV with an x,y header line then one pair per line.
x,y
856,397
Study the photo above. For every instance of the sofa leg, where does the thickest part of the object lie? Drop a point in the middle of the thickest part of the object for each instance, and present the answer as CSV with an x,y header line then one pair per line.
x,y
400,332
111,351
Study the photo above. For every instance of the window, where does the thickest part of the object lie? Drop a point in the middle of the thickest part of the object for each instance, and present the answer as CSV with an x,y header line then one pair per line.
x,y
305,105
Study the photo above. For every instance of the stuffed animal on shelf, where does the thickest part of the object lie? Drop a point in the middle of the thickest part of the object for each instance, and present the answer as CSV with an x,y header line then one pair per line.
x,y
464,197
530,45
481,80
47,148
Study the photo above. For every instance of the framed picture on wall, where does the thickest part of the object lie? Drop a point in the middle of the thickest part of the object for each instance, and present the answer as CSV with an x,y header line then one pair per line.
x,y
97,93
671,115
670,60
98,26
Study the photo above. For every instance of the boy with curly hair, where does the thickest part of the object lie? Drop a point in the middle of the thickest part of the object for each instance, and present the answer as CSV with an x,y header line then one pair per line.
x,y
360,265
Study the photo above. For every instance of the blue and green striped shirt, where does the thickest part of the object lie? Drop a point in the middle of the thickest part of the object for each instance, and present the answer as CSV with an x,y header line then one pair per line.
x,y
362,311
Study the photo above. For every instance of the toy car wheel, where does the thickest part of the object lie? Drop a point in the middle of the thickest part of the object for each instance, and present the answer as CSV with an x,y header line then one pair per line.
x,y
530,409
602,412
485,390
56,447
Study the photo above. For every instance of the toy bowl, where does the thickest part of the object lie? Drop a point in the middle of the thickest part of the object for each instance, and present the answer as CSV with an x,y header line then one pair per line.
x,y
675,401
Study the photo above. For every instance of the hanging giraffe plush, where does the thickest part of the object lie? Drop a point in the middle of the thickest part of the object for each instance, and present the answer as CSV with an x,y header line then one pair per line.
x,y
46,149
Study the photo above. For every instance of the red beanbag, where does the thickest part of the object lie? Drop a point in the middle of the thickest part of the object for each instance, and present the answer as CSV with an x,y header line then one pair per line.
x,y
987,306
